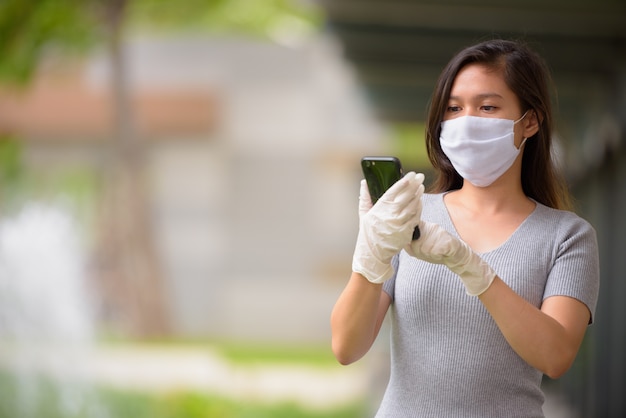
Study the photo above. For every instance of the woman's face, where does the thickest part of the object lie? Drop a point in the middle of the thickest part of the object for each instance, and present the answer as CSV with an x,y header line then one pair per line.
x,y
481,91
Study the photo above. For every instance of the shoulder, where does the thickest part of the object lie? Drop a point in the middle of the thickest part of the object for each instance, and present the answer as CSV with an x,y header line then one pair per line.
x,y
565,224
575,271
570,239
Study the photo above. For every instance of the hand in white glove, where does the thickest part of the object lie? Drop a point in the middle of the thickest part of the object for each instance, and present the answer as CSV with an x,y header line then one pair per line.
x,y
387,227
436,245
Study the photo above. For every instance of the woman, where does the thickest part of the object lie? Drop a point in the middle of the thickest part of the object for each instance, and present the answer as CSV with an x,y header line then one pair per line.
x,y
503,282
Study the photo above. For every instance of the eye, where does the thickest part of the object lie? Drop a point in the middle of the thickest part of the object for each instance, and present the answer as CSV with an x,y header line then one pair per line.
x,y
488,108
453,108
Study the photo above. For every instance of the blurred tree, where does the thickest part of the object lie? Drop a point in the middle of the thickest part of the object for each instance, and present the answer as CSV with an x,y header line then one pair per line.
x,y
31,28
128,269
127,264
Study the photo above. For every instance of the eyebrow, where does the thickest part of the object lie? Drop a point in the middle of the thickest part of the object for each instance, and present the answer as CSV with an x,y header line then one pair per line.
x,y
481,96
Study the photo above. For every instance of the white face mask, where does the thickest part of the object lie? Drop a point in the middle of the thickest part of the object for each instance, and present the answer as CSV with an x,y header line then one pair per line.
x,y
480,149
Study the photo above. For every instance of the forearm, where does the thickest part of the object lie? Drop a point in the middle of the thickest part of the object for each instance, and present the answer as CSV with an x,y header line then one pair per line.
x,y
356,319
541,340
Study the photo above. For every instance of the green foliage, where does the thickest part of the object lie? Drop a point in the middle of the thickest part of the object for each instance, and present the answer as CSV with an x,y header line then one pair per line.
x,y
30,396
11,171
262,18
10,160
67,184
28,28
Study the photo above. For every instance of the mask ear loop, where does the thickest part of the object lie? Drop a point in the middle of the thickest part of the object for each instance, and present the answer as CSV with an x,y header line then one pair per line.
x,y
522,144
525,139
523,116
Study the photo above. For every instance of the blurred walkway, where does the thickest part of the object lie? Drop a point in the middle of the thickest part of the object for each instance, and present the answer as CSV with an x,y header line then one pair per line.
x,y
172,369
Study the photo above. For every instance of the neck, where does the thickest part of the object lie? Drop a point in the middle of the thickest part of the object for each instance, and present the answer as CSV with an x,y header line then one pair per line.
x,y
506,193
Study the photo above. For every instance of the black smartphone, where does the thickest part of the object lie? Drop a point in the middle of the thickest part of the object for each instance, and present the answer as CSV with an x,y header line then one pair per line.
x,y
380,174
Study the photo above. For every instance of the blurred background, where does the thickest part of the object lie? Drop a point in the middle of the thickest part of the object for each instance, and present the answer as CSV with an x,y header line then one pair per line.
x,y
179,182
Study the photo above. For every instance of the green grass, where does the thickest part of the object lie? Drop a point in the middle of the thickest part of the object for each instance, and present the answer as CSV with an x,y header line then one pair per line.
x,y
247,352
193,405
250,353
39,397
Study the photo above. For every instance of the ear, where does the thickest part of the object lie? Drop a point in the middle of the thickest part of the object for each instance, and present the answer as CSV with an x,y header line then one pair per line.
x,y
530,124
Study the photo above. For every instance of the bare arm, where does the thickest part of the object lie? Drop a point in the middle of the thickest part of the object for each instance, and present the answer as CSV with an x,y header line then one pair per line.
x,y
384,229
547,338
356,318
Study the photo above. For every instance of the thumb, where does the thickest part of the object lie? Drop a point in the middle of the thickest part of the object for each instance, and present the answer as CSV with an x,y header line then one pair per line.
x,y
428,246
365,200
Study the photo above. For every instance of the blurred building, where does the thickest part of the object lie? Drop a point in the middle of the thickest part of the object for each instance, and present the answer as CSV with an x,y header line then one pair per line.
x,y
253,167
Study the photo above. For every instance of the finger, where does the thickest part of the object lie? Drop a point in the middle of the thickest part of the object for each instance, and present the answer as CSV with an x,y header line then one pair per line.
x,y
364,193
408,222
410,205
415,201
365,200
420,191
424,245
400,186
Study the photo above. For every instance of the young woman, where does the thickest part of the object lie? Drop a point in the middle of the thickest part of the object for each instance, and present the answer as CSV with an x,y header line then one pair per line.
x,y
503,282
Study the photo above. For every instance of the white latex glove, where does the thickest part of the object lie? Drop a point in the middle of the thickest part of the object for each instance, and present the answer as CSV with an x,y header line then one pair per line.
x,y
436,245
386,227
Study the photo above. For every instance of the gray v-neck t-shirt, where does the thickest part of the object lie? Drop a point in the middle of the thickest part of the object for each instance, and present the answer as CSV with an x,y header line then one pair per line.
x,y
448,357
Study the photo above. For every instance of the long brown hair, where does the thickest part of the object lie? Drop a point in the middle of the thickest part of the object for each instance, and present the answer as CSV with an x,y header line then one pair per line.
x,y
526,74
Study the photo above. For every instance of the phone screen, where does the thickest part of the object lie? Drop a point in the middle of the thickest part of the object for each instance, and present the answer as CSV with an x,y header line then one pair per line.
x,y
380,174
